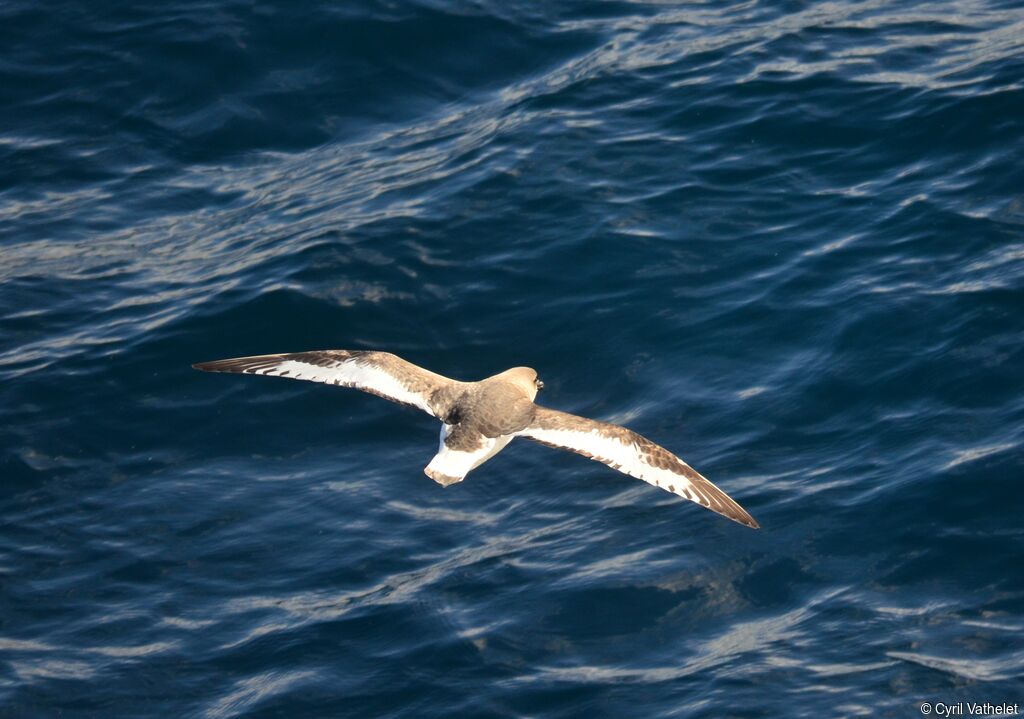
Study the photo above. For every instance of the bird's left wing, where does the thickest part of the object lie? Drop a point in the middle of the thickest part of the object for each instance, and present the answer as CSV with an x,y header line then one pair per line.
x,y
632,454
380,373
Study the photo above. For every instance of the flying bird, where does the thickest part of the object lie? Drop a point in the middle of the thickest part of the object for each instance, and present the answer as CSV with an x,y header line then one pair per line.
x,y
480,418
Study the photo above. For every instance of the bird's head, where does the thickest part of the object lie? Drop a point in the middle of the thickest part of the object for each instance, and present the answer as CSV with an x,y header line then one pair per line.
x,y
525,378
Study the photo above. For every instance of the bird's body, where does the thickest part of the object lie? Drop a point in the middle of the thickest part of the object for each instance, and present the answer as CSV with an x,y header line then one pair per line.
x,y
480,418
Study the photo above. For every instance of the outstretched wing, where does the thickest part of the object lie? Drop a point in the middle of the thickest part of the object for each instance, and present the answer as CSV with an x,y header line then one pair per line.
x,y
379,373
632,454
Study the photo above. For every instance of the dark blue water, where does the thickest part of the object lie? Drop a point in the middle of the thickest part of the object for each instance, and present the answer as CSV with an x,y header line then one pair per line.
x,y
785,240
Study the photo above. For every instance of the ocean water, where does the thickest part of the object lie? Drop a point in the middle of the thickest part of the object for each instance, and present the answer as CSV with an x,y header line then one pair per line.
x,y
785,240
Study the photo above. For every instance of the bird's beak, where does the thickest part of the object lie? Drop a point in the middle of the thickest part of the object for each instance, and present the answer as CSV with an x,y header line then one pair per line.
x,y
540,385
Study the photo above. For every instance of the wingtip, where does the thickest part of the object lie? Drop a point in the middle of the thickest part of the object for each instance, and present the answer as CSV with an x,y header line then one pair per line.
x,y
711,497
741,516
215,366
233,364
721,503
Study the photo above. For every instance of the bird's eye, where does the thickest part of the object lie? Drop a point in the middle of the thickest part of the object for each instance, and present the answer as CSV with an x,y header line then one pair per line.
x,y
540,385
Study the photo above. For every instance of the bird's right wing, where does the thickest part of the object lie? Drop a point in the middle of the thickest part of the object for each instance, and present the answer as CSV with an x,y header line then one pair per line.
x,y
631,454
380,373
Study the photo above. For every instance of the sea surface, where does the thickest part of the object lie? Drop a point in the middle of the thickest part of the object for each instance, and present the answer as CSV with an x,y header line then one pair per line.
x,y
783,239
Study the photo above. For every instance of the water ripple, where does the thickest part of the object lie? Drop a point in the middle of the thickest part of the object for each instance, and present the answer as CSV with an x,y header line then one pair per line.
x,y
784,241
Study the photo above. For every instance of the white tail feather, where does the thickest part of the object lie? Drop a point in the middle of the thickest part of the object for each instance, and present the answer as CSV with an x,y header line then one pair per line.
x,y
450,466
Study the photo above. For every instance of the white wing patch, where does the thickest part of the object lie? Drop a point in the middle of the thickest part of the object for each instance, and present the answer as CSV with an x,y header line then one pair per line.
x,y
357,372
617,449
610,451
351,374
